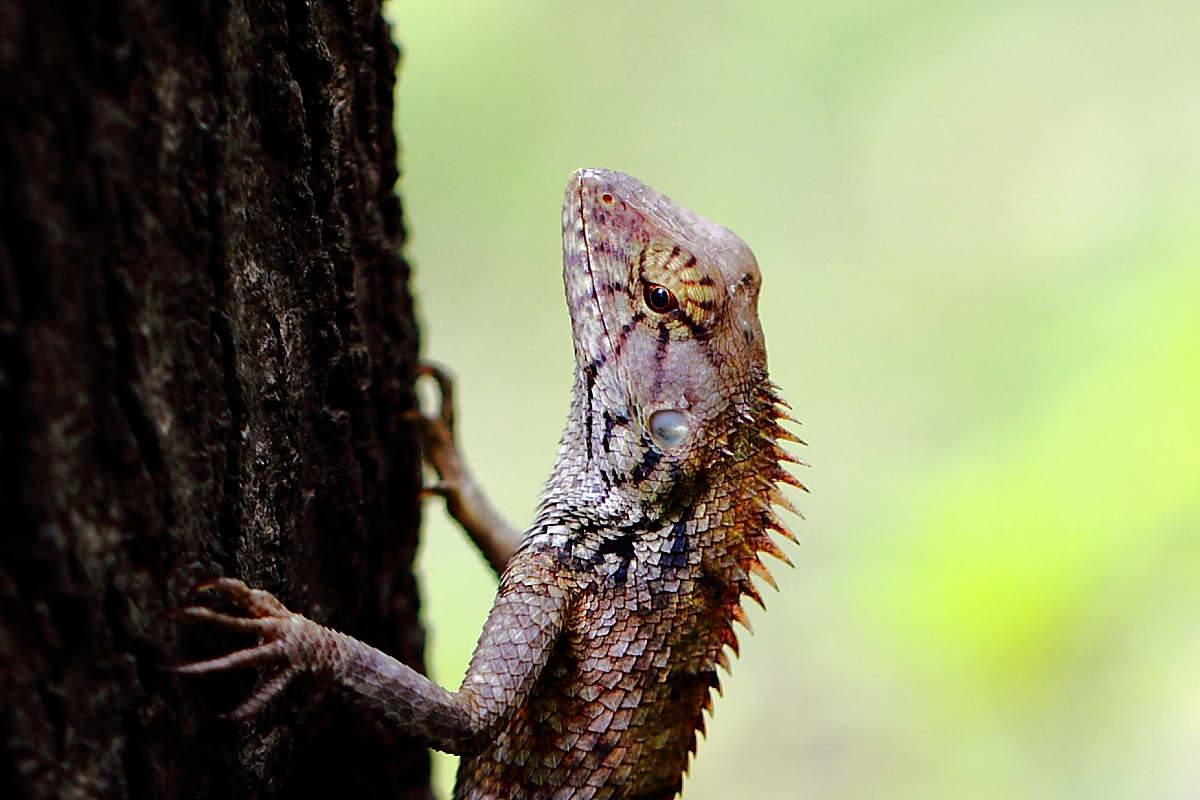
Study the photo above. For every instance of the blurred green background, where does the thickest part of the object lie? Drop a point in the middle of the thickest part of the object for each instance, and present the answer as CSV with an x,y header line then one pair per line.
x,y
979,231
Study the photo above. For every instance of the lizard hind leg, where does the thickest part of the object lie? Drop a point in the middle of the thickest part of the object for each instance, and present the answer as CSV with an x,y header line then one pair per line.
x,y
496,539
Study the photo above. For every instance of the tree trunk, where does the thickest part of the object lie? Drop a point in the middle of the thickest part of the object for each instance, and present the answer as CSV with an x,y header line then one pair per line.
x,y
206,351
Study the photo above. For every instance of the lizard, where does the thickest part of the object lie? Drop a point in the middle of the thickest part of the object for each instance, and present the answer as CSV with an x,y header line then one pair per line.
x,y
615,608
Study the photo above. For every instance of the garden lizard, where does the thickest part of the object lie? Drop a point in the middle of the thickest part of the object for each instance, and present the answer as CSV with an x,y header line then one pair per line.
x,y
617,605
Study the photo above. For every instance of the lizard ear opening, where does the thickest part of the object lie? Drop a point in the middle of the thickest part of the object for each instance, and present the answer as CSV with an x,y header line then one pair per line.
x,y
668,428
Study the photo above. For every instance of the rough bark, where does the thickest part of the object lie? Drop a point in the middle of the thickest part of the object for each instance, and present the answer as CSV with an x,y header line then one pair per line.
x,y
206,343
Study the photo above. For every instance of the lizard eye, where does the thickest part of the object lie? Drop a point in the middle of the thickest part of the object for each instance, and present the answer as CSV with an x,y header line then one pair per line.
x,y
659,298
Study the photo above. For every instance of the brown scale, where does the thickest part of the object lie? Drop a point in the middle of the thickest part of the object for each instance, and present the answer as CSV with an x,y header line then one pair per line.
x,y
614,610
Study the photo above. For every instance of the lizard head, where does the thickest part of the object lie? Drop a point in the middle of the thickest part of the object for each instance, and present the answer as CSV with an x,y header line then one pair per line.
x,y
670,356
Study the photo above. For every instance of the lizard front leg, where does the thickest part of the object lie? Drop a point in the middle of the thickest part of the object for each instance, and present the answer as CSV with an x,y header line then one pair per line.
x,y
465,501
517,639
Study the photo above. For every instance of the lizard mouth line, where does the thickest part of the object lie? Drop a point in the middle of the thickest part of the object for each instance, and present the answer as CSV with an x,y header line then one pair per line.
x,y
587,254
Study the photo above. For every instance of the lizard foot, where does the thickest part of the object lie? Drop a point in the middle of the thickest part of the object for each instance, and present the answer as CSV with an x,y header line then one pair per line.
x,y
283,634
465,501
437,436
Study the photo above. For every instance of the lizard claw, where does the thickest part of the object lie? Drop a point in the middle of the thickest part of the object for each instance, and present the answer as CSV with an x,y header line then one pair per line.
x,y
269,653
261,626
253,704
256,601
280,630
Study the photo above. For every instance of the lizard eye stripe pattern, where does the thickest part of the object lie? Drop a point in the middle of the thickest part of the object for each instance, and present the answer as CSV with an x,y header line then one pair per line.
x,y
696,294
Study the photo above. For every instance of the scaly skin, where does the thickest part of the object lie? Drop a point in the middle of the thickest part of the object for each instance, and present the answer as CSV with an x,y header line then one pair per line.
x,y
596,662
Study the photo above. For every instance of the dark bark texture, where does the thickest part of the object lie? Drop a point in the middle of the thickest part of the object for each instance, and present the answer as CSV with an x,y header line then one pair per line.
x,y
206,350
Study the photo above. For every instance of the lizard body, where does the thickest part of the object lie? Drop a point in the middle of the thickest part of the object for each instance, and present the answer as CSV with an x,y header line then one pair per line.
x,y
614,610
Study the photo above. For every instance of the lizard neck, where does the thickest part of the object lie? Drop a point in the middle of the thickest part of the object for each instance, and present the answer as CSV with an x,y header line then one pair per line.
x,y
609,480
